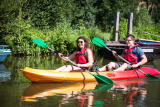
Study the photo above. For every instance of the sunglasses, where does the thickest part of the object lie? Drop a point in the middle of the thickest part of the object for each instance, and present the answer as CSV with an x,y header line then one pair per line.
x,y
128,40
80,42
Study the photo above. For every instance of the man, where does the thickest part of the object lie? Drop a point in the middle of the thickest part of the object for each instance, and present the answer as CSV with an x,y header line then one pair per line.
x,y
132,53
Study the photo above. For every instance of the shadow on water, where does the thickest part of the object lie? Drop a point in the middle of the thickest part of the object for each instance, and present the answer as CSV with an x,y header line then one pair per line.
x,y
17,91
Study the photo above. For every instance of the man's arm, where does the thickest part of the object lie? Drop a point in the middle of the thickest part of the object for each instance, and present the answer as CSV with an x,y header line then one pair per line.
x,y
143,58
119,59
143,61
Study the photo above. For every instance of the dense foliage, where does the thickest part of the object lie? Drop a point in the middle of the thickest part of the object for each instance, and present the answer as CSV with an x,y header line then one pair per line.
x,y
60,22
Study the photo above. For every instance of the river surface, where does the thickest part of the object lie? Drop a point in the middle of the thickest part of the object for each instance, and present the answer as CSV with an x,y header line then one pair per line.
x,y
17,91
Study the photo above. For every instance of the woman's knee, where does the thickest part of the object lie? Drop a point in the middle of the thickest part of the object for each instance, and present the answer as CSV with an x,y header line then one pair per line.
x,y
64,66
69,67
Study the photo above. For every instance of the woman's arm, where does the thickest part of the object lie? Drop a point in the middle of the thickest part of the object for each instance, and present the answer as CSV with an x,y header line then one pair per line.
x,y
72,56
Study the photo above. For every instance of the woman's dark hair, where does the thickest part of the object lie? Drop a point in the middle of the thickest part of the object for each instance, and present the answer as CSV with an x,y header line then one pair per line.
x,y
131,36
85,40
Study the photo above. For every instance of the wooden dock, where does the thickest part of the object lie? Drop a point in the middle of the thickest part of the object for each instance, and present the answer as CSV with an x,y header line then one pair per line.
x,y
150,50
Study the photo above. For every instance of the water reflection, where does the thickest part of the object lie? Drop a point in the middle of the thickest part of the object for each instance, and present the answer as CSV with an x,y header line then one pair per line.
x,y
37,90
89,94
131,91
4,73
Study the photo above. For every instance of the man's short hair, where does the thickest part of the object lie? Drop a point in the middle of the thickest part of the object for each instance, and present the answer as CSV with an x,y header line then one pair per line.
x,y
131,36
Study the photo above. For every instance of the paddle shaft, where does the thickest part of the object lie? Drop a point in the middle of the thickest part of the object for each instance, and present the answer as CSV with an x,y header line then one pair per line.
x,y
69,60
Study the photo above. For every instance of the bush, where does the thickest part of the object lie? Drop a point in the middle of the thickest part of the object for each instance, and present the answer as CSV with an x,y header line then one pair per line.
x,y
62,38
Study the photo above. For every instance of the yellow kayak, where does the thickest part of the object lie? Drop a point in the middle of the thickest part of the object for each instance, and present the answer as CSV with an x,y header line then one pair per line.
x,y
48,76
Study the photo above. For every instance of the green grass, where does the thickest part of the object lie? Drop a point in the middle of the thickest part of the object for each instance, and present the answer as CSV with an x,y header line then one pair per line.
x,y
62,39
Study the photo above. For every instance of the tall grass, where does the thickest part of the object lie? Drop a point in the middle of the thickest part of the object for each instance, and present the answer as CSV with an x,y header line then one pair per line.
x,y
62,39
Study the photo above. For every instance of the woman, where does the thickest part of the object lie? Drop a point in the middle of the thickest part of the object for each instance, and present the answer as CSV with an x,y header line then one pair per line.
x,y
83,57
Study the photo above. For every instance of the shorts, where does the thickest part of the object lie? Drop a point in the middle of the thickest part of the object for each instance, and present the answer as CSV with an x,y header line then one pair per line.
x,y
117,65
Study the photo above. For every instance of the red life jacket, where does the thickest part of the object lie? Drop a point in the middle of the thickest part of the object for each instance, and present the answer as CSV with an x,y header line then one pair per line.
x,y
128,55
80,56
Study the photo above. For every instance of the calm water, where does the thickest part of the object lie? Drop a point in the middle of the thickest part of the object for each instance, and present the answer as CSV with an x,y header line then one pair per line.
x,y
17,91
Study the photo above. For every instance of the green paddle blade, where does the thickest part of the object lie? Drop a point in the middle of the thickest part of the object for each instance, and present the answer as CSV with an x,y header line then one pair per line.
x,y
40,43
98,42
102,79
102,87
151,76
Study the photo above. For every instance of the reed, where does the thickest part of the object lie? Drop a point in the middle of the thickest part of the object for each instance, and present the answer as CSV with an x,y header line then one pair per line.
x,y
62,39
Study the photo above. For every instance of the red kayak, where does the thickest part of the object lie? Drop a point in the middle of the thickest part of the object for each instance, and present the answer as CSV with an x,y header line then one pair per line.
x,y
133,73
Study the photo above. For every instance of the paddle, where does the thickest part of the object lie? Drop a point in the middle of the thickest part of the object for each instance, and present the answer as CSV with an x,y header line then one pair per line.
x,y
100,43
102,88
100,79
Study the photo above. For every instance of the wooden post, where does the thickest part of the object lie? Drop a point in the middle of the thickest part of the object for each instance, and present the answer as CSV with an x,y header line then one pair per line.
x,y
130,23
116,25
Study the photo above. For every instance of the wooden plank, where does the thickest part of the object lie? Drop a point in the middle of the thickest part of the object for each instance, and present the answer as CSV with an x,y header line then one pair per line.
x,y
116,25
130,23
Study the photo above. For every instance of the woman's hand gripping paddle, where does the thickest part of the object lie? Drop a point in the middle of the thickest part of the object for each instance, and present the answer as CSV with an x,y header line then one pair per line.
x,y
100,79
100,43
